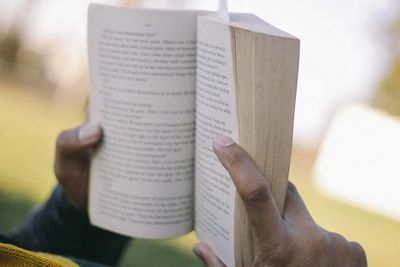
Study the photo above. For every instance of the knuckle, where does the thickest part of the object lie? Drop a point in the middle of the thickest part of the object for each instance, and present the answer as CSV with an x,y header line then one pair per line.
x,y
60,175
356,247
61,141
359,253
320,239
319,245
60,171
255,192
339,243
343,247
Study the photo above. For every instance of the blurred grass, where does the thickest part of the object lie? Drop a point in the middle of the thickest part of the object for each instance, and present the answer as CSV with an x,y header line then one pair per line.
x,y
29,126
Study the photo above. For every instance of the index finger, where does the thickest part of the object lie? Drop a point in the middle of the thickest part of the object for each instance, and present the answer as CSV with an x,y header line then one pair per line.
x,y
252,186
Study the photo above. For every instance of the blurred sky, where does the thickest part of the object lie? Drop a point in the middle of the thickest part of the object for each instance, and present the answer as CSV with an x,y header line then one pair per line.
x,y
343,44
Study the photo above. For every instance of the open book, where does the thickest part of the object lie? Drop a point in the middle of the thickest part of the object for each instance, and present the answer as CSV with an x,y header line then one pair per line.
x,y
163,84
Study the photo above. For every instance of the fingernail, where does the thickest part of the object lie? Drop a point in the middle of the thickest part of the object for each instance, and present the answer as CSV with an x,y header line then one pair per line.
x,y
88,132
223,141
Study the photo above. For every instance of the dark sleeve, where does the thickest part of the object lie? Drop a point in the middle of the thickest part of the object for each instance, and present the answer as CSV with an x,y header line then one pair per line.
x,y
59,228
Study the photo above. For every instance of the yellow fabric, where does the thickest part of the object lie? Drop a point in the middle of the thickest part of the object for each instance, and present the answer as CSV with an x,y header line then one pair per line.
x,y
11,256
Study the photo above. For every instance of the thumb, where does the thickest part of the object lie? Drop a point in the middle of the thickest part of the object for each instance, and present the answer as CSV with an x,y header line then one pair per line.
x,y
71,165
78,140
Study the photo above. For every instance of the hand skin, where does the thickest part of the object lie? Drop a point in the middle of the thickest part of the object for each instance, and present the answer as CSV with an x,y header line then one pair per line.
x,y
73,154
293,239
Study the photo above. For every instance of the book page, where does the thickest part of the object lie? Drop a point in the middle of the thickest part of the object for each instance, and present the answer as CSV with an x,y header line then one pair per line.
x,y
215,115
142,80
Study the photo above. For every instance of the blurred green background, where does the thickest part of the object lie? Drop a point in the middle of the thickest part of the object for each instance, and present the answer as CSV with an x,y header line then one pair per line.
x,y
36,103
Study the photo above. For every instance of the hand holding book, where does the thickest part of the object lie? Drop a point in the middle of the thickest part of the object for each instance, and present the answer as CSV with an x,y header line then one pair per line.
x,y
293,239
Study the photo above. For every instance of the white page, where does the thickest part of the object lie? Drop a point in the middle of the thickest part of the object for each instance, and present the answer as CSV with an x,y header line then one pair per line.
x,y
142,80
215,114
